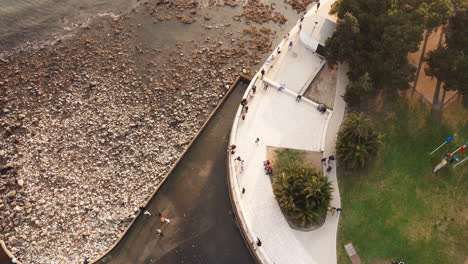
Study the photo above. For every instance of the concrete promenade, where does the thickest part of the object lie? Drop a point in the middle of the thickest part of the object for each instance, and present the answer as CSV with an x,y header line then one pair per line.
x,y
278,120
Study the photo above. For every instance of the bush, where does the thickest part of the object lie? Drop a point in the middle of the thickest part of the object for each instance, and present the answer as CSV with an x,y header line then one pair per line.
x,y
358,141
303,193
358,90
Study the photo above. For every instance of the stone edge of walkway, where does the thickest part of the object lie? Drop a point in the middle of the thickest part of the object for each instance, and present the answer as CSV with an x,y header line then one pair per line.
x,y
5,249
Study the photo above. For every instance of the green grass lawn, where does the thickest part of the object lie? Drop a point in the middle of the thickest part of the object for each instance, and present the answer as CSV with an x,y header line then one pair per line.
x,y
397,208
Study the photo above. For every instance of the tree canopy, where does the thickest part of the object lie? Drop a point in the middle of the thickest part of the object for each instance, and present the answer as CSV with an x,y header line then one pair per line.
x,y
449,63
375,37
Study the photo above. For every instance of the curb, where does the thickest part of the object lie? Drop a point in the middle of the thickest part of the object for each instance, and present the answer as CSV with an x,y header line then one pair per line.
x,y
6,251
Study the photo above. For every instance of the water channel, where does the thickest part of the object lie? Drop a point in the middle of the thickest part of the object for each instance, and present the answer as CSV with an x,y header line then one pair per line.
x,y
195,197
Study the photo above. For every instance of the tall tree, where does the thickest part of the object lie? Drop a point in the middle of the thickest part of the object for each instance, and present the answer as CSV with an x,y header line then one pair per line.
x,y
449,63
387,31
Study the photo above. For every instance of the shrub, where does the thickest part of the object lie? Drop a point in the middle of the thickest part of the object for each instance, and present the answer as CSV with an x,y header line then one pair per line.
x,y
303,193
358,141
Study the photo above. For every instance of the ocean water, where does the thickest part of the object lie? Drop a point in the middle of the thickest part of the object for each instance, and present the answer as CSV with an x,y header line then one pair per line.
x,y
25,21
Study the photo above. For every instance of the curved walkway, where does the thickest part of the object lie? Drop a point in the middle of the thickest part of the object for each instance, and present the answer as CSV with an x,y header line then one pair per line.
x,y
278,120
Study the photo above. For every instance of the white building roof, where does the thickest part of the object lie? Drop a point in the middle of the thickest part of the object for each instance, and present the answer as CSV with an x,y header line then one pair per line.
x,y
316,29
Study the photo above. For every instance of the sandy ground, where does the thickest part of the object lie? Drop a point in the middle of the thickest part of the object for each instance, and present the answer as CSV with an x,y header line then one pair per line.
x,y
323,88
311,158
426,85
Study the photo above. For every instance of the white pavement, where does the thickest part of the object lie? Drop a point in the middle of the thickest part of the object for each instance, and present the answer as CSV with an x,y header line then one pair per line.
x,y
278,120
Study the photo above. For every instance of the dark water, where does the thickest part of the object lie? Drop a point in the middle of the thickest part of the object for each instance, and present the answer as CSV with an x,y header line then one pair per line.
x,y
196,198
23,21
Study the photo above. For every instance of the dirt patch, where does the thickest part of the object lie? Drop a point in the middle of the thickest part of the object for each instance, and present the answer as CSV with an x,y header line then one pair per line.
x,y
323,88
312,159
426,85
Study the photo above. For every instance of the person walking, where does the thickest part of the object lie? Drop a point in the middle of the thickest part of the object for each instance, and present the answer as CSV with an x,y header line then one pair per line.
x,y
243,117
244,102
263,73
324,160
254,89
302,19
298,98
338,211
290,43
256,141
331,158
318,5
278,50
246,108
265,86
329,169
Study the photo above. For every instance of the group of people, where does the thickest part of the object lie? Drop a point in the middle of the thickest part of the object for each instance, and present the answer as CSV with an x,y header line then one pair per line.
x,y
268,168
334,210
245,108
325,163
321,108
162,218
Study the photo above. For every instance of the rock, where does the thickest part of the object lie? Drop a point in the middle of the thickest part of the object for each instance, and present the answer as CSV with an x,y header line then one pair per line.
x,y
11,194
20,182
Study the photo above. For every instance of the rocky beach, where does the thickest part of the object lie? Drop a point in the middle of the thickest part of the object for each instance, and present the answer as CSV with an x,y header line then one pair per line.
x,y
90,125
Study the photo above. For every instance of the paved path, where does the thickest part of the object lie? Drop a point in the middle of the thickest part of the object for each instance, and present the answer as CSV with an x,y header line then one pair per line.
x,y
195,197
278,120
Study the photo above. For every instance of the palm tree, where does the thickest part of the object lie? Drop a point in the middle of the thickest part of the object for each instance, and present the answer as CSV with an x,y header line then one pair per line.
x,y
303,193
358,141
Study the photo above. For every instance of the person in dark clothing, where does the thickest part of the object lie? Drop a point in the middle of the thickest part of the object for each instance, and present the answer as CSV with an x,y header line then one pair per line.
x,y
298,98
244,102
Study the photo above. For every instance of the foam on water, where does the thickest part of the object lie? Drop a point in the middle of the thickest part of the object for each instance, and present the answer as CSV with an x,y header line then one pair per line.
x,y
25,21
